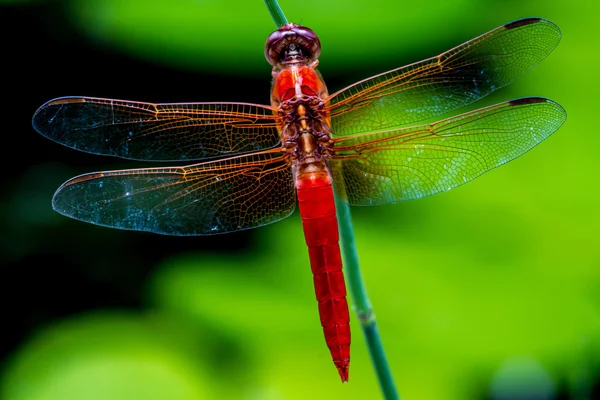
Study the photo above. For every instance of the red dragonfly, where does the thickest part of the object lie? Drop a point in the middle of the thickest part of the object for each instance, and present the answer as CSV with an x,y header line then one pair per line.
x,y
253,162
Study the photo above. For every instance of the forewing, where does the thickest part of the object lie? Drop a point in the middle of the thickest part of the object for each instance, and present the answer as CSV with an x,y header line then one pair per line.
x,y
209,198
157,132
437,85
404,164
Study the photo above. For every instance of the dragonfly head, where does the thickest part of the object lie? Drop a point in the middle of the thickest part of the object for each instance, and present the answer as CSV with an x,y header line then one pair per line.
x,y
292,43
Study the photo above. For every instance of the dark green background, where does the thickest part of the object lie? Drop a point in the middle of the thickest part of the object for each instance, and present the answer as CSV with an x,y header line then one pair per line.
x,y
489,288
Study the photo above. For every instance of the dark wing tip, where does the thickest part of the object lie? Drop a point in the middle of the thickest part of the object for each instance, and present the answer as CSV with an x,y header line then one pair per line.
x,y
40,117
57,205
83,178
559,112
528,100
63,100
534,20
43,116
523,22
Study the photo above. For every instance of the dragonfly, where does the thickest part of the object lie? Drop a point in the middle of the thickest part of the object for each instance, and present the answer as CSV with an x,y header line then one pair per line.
x,y
247,165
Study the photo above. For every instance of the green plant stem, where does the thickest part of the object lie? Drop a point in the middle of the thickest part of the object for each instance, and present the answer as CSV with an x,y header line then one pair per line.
x,y
276,13
362,305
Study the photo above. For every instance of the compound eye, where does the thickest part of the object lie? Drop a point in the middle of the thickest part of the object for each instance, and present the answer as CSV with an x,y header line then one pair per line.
x,y
302,37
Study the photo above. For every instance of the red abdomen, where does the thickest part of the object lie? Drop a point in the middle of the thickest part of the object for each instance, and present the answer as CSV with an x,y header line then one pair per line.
x,y
317,210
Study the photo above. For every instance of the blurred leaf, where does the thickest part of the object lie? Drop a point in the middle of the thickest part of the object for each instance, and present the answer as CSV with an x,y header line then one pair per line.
x,y
522,378
107,355
208,35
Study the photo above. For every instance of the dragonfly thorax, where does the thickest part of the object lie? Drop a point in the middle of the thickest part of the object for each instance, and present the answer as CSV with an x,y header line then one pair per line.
x,y
306,136
299,94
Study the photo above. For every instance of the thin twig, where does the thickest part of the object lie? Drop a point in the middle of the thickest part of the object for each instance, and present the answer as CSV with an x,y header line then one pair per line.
x,y
276,13
360,300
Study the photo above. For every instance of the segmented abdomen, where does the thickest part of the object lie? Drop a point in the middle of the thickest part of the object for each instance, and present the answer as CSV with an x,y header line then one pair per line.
x,y
317,210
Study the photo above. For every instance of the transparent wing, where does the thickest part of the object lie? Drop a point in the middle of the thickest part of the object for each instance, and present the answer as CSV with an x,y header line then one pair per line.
x,y
403,164
209,198
157,132
437,85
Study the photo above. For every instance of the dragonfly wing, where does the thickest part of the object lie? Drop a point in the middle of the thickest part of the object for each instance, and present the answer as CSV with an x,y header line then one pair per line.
x,y
437,85
209,198
404,164
158,132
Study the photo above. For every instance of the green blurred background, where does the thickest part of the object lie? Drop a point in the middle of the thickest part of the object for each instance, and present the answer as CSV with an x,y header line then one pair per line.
x,y
489,291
